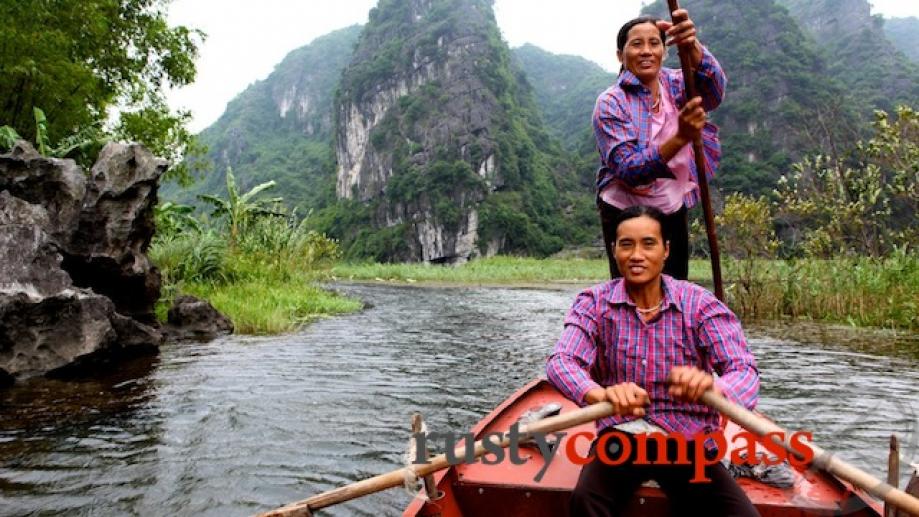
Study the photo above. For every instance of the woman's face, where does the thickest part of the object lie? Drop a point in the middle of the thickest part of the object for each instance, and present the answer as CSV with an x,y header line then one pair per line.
x,y
640,250
643,52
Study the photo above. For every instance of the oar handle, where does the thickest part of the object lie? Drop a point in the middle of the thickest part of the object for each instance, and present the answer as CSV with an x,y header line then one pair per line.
x,y
397,477
822,459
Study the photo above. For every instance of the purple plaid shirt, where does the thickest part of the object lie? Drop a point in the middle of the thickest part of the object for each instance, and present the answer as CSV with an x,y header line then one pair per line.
x,y
622,126
604,343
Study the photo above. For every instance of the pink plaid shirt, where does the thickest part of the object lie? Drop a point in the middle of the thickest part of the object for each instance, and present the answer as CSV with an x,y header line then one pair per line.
x,y
605,343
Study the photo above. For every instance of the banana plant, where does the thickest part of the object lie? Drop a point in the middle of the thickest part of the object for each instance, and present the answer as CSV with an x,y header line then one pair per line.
x,y
41,132
173,218
82,146
238,209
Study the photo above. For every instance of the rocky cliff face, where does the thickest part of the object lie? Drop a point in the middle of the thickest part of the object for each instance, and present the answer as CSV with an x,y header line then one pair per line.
x,y
75,283
424,114
413,95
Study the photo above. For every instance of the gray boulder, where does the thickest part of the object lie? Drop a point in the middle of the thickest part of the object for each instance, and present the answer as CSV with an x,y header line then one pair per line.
x,y
48,322
55,187
107,251
191,318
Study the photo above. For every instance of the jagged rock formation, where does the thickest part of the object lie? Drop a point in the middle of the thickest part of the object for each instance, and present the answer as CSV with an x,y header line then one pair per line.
x,y
56,227
430,124
382,89
107,251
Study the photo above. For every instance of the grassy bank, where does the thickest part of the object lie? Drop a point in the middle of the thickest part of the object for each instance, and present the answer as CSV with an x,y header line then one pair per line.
x,y
263,279
269,304
859,292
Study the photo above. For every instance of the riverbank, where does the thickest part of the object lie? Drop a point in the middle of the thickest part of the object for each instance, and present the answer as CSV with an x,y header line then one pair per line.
x,y
264,281
270,304
856,292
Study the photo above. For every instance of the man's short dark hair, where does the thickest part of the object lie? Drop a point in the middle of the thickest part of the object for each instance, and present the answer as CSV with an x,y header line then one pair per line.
x,y
637,211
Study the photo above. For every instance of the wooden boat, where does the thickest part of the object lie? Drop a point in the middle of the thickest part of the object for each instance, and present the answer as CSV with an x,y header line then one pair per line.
x,y
506,489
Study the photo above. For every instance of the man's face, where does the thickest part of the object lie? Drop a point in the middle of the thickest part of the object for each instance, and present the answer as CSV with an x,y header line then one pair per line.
x,y
640,250
643,52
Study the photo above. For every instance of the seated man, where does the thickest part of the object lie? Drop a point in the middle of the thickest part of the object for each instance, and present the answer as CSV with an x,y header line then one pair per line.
x,y
648,343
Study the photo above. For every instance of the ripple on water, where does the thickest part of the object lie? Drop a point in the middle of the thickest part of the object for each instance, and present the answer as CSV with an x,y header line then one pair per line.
x,y
244,424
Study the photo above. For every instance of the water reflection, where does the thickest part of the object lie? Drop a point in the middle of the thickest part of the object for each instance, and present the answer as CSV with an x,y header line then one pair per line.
x,y
244,424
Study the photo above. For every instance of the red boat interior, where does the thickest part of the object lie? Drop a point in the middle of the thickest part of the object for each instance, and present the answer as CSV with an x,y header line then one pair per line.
x,y
508,489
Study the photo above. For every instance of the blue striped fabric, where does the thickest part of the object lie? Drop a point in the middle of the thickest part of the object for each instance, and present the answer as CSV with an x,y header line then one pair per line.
x,y
605,343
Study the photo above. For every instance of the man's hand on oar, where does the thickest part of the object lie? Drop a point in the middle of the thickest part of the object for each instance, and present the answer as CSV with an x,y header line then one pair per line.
x,y
627,398
690,383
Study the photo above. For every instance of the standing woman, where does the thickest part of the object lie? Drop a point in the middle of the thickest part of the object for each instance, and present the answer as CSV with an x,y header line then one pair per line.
x,y
645,128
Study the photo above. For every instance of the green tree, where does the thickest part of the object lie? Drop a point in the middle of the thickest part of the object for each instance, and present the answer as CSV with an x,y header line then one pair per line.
x,y
79,59
895,149
865,203
747,238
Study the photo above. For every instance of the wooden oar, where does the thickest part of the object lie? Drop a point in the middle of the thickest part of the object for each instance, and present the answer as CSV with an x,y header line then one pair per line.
x,y
397,477
689,80
822,459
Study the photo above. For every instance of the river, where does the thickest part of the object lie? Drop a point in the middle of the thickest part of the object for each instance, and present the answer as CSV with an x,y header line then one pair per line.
x,y
243,424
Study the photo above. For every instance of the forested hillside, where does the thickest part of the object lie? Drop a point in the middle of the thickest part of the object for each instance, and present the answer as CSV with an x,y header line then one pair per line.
x,y
563,87
857,52
781,102
281,128
421,136
441,152
904,34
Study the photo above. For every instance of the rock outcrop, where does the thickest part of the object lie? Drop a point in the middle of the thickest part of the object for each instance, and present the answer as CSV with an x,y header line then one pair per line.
x,y
58,230
107,250
194,319
387,124
431,119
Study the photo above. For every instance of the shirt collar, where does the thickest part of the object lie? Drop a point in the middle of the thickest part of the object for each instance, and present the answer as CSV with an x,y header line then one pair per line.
x,y
619,296
627,78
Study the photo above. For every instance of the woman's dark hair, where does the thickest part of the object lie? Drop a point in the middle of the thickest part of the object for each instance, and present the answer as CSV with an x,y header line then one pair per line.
x,y
637,211
624,31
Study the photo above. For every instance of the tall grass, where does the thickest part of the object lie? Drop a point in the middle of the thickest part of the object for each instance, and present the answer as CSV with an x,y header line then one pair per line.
x,y
263,280
856,291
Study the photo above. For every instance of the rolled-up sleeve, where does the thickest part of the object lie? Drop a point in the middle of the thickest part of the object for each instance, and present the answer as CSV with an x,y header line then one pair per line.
x,y
710,81
575,353
721,334
623,157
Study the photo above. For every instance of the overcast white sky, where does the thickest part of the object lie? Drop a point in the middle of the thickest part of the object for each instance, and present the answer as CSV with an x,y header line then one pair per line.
x,y
246,39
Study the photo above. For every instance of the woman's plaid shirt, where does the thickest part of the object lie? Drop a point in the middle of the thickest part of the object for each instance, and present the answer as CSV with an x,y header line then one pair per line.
x,y
605,343
622,126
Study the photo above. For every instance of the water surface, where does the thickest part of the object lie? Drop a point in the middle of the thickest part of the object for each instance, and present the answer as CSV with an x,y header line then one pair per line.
x,y
244,424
